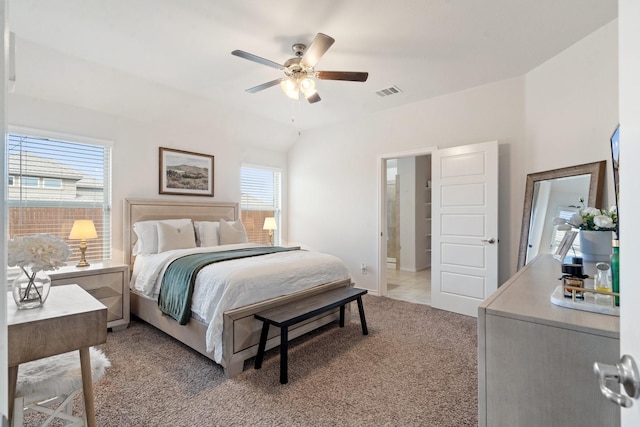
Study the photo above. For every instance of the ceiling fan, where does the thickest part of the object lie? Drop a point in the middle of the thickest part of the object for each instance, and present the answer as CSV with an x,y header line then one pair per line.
x,y
300,72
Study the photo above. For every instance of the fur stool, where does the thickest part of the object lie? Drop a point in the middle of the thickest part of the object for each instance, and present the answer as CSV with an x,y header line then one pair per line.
x,y
56,379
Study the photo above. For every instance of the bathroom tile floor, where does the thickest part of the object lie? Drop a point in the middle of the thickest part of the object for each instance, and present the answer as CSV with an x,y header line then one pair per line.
x,y
409,286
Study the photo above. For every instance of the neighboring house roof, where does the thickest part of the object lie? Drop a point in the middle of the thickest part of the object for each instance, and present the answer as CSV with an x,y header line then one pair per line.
x,y
29,164
89,182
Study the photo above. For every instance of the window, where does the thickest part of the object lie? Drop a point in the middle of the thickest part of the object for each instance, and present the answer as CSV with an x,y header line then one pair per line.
x,y
564,212
53,182
260,199
30,181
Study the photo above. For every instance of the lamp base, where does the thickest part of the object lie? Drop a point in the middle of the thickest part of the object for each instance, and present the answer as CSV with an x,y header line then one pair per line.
x,y
83,248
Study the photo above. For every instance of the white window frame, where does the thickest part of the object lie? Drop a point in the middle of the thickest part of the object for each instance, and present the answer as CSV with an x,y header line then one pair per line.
x,y
25,179
79,139
56,181
276,207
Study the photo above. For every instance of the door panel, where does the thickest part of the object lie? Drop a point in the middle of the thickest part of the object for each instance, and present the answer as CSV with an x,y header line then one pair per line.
x,y
464,227
463,195
463,165
461,225
463,285
463,255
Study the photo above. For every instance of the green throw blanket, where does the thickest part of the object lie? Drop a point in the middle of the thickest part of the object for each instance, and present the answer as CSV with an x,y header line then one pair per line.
x,y
180,278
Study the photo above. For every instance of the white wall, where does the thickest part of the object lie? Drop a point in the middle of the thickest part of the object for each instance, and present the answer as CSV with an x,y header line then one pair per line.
x,y
4,56
335,207
571,106
135,151
560,114
408,202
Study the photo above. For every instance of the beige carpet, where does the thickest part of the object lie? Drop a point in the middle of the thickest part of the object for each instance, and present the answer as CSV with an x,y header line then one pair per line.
x,y
417,367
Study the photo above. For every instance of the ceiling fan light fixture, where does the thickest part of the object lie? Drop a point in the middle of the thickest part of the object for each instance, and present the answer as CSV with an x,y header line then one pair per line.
x,y
307,85
291,88
300,73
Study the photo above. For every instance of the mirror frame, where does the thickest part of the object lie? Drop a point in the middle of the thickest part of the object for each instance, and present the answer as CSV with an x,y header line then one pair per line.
x,y
595,169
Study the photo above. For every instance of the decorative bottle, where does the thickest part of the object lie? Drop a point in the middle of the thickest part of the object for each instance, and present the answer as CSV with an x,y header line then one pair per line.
x,y
615,269
602,282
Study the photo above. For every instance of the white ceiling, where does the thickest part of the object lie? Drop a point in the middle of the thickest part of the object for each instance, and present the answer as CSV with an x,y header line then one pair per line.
x,y
143,58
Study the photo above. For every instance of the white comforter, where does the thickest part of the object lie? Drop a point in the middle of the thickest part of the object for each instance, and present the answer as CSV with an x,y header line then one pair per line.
x,y
230,284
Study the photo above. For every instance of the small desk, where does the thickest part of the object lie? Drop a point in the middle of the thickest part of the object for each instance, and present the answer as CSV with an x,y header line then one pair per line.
x,y
71,319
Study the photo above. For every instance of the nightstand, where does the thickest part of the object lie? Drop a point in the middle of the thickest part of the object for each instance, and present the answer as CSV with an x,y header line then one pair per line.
x,y
107,281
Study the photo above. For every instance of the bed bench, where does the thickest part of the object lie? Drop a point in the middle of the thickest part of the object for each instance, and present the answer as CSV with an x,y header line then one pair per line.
x,y
290,314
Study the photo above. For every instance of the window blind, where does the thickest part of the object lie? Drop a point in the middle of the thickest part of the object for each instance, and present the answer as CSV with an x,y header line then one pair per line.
x,y
52,183
260,199
565,213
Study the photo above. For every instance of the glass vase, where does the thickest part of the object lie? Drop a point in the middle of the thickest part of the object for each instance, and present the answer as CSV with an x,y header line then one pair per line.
x,y
31,289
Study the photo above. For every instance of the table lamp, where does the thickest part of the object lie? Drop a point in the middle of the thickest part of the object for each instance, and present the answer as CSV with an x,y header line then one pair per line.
x,y
82,230
270,224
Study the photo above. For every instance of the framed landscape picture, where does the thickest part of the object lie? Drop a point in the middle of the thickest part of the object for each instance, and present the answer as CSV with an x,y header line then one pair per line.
x,y
185,173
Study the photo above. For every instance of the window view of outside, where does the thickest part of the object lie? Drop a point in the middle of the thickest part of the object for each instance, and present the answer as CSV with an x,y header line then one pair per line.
x,y
260,199
52,183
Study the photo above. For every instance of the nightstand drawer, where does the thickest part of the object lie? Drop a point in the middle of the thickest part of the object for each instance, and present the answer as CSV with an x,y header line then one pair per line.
x,y
105,287
104,281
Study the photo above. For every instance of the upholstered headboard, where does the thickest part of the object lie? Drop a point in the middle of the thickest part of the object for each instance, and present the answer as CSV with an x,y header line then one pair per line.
x,y
149,209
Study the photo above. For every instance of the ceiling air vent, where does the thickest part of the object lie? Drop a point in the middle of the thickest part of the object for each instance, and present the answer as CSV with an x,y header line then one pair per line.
x,y
388,91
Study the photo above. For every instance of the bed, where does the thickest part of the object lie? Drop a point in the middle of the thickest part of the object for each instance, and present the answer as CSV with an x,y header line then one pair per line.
x,y
238,336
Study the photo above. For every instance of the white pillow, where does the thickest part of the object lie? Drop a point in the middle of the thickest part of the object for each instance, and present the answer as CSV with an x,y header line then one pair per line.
x,y
175,237
147,232
232,232
207,233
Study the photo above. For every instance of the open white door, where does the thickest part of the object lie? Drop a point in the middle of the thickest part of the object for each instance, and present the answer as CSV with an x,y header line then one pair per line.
x,y
629,90
464,261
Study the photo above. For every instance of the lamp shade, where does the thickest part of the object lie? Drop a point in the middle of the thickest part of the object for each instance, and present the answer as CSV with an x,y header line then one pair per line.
x,y
270,224
83,229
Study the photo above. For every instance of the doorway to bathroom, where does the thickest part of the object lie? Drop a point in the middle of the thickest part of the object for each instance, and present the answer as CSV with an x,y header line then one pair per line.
x,y
408,228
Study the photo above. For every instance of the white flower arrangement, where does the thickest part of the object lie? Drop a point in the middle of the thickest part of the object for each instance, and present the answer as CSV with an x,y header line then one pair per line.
x,y
39,252
590,219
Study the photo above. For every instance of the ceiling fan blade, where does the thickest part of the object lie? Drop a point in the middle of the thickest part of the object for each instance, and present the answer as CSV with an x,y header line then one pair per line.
x,y
313,98
255,58
263,86
320,44
352,76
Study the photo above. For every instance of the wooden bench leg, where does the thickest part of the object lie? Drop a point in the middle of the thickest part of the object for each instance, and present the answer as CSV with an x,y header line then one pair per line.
x,y
262,345
363,321
342,316
284,350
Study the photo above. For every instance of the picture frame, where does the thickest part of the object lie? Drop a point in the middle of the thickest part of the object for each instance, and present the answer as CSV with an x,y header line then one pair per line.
x,y
565,245
185,173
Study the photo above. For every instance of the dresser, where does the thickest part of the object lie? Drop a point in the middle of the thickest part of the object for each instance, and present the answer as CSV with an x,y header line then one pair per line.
x,y
107,281
535,359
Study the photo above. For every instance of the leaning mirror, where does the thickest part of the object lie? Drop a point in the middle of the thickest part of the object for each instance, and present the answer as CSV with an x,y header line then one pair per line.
x,y
547,195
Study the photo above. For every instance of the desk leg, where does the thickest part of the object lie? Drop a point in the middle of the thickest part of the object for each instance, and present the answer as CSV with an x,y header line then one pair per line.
x,y
13,381
284,350
87,386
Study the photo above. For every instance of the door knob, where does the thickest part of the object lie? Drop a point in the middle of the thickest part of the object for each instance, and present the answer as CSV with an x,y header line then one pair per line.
x,y
490,240
624,372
